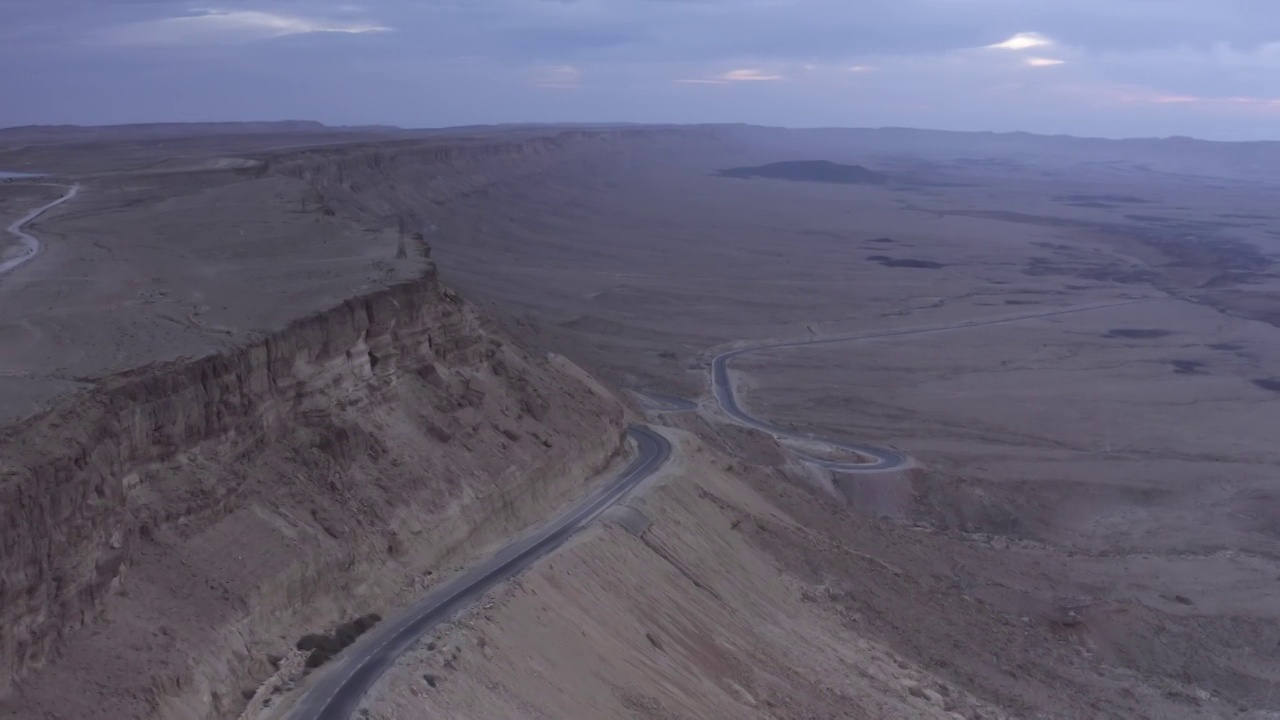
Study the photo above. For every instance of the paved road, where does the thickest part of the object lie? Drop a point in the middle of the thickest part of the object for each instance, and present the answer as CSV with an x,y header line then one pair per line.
x,y
31,246
339,687
882,459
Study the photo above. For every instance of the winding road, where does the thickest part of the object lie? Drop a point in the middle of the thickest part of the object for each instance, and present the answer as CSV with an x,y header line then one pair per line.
x,y
882,459
340,686
30,245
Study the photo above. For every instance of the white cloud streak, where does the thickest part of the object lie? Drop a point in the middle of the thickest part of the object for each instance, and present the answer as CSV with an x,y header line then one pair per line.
x,y
739,75
216,27
1022,41
749,75
564,77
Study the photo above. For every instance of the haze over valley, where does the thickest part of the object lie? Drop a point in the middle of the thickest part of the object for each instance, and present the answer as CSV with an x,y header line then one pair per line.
x,y
578,360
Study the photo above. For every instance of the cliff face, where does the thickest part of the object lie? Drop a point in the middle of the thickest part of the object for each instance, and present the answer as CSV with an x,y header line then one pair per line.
x,y
200,515
414,178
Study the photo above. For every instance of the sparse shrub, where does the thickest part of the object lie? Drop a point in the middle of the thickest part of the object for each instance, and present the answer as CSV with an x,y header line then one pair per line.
x,y
324,646
653,640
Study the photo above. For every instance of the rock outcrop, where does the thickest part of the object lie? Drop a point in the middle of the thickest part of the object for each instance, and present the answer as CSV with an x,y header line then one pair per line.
x,y
199,515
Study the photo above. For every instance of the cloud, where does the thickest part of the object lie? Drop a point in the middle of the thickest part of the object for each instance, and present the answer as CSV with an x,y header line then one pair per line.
x,y
1198,66
749,75
564,77
738,75
1120,95
1264,103
1022,41
213,27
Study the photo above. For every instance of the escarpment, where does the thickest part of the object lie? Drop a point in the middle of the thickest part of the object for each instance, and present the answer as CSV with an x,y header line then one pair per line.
x,y
167,532
414,177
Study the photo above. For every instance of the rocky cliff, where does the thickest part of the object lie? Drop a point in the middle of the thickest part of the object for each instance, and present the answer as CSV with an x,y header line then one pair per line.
x,y
413,178
167,532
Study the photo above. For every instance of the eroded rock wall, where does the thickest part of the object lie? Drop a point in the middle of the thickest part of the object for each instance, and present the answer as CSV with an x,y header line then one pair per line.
x,y
198,515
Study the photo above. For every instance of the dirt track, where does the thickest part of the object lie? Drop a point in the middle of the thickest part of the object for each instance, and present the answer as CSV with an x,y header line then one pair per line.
x,y
30,244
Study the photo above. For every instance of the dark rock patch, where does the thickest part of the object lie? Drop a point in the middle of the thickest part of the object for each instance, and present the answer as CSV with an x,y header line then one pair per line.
x,y
1247,216
1126,199
1272,384
822,171
1138,333
905,262
1093,204
1188,367
1109,272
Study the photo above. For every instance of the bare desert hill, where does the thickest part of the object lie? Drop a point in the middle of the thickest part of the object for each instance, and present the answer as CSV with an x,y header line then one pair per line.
x,y
810,171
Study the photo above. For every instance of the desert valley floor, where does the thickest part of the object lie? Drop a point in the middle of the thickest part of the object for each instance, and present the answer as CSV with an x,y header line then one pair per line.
x,y
355,361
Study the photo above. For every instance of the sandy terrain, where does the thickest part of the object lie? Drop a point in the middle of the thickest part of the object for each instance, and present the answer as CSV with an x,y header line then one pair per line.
x,y
1108,473
671,610
1090,533
16,200
144,268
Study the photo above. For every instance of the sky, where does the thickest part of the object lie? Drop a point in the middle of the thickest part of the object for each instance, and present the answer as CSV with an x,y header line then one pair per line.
x,y
1107,68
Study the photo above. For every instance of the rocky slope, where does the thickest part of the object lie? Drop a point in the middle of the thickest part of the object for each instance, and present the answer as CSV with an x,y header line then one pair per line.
x,y
173,527
168,531
726,588
672,607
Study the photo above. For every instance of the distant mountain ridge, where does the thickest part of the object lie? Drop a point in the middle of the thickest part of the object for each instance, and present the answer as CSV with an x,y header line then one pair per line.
x,y
823,171
156,131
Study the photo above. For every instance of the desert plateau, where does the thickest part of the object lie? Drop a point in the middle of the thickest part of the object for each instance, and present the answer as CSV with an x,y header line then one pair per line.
x,y
637,422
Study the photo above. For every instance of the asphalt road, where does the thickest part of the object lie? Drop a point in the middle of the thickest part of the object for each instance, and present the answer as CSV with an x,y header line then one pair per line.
x,y
30,245
338,688
882,459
